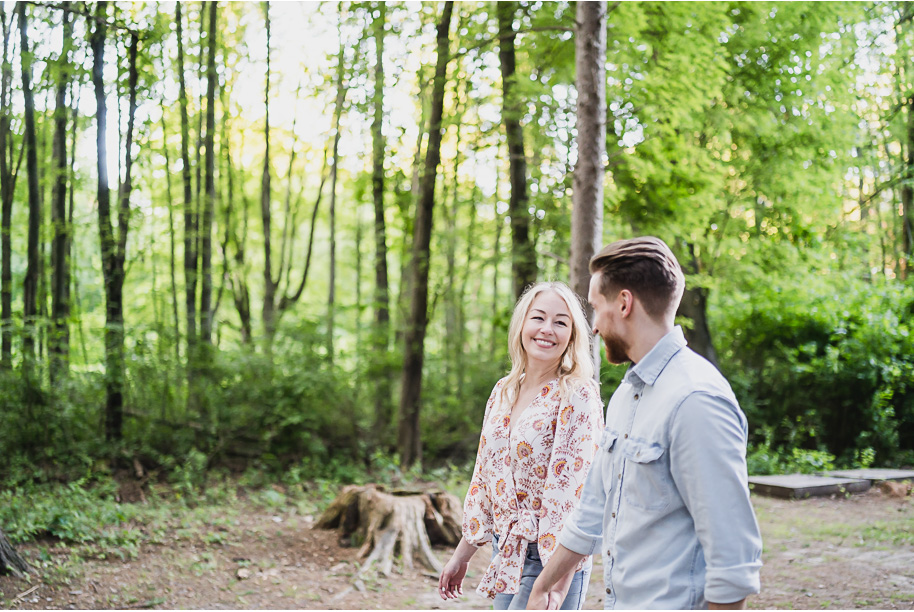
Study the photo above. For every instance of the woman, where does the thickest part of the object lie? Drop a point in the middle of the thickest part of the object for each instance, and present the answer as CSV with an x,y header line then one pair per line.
x,y
539,435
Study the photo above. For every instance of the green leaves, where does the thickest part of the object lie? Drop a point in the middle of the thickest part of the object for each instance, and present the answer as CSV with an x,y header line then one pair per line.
x,y
817,372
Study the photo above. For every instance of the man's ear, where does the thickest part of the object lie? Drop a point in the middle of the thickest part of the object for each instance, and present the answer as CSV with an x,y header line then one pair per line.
x,y
626,302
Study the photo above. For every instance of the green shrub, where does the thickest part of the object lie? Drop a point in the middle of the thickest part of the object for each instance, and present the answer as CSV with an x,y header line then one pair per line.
x,y
78,513
815,371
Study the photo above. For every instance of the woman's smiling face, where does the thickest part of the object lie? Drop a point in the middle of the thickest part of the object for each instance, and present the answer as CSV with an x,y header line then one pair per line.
x,y
547,329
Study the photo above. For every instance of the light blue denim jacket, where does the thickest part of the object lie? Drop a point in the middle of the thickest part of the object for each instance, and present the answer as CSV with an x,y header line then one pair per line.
x,y
667,499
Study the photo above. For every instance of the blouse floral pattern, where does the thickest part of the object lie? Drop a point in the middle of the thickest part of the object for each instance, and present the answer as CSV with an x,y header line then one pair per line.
x,y
528,480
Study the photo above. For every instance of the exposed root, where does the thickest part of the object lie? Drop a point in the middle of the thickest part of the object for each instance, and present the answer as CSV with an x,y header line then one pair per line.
x,y
386,522
10,561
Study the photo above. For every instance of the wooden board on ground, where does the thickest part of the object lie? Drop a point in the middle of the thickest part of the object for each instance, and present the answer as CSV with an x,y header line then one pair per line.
x,y
802,485
873,474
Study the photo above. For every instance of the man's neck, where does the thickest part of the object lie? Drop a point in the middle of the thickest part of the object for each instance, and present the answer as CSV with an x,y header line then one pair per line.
x,y
649,333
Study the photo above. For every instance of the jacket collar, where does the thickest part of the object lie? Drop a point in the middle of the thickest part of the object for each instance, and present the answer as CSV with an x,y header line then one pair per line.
x,y
649,368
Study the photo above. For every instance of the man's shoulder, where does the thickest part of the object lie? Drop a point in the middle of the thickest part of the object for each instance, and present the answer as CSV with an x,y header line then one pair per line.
x,y
689,372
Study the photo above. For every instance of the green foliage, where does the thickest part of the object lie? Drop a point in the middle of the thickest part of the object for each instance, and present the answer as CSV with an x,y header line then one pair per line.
x,y
764,460
742,133
77,513
452,419
814,372
49,433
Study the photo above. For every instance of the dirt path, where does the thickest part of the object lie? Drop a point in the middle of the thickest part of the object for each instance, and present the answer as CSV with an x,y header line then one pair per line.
x,y
819,553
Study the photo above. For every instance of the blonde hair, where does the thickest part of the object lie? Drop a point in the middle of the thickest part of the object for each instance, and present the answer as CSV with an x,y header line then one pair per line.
x,y
576,364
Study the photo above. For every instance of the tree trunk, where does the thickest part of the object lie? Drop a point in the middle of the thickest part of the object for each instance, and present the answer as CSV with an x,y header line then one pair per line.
x,y
450,207
406,205
124,192
241,295
409,439
380,520
113,360
171,241
7,191
190,217
523,256
340,99
495,337
694,306
113,250
229,201
380,346
206,255
30,288
463,351
59,349
289,213
291,298
269,286
907,197
75,85
587,199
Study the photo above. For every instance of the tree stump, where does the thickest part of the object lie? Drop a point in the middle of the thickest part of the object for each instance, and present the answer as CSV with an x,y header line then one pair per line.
x,y
384,522
10,561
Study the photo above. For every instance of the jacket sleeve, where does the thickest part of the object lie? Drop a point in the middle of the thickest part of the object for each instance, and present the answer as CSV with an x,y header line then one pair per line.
x,y
708,465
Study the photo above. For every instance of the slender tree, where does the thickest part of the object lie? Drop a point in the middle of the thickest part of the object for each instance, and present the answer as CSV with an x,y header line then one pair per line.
x,y
241,294
171,240
338,112
75,85
587,195
277,297
59,347
269,285
523,255
113,248
30,287
380,345
907,188
694,306
190,217
7,191
587,200
451,208
206,254
409,439
114,361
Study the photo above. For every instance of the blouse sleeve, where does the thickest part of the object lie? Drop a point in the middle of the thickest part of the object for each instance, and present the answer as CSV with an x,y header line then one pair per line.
x,y
577,433
478,524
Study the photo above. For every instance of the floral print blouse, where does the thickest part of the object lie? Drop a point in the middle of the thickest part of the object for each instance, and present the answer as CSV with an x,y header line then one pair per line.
x,y
529,479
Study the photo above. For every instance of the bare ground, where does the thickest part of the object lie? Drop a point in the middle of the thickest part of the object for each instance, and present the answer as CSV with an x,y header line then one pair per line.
x,y
837,553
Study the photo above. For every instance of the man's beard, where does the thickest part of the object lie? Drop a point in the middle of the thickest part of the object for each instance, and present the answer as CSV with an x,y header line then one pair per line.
x,y
616,349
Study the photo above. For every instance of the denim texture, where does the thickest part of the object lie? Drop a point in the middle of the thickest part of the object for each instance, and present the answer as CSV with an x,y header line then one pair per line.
x,y
574,600
667,499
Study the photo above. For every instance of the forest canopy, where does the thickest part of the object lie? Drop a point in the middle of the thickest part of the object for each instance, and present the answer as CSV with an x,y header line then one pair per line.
x,y
292,234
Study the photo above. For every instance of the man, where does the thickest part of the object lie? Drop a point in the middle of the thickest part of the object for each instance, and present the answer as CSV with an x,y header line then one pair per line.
x,y
667,499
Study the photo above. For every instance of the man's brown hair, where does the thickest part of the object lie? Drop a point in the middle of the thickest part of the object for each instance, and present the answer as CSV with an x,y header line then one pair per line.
x,y
645,266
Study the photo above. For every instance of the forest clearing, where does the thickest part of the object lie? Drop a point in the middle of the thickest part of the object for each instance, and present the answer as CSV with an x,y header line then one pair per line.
x,y
261,552
253,252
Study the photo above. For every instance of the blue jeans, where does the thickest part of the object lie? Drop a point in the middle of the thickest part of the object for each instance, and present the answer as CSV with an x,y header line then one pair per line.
x,y
574,600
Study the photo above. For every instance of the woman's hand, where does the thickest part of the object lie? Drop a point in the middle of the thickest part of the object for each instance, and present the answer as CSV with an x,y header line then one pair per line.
x,y
450,582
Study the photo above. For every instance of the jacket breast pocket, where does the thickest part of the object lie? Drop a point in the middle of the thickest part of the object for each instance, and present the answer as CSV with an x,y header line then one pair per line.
x,y
607,450
608,440
647,484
